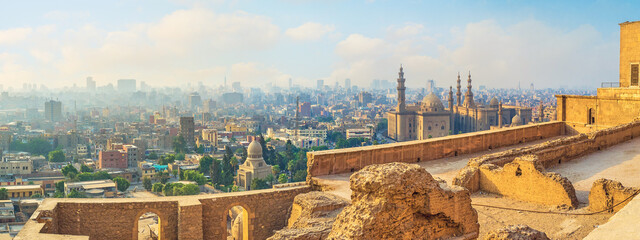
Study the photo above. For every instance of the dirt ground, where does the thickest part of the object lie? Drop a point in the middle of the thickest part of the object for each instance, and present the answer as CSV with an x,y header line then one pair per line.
x,y
556,226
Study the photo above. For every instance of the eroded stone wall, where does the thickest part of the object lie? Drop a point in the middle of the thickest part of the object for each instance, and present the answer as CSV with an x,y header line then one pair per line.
x,y
188,217
352,159
608,194
523,179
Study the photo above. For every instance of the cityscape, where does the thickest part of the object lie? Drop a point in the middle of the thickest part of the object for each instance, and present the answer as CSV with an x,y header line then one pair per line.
x,y
380,144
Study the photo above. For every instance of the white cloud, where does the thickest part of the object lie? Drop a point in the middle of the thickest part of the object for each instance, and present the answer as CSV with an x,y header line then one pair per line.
x,y
14,35
498,56
309,31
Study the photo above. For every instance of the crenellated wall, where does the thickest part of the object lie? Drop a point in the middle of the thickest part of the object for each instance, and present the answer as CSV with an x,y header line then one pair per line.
x,y
352,159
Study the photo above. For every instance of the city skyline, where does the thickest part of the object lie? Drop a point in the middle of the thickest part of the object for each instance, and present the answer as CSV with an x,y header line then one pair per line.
x,y
176,42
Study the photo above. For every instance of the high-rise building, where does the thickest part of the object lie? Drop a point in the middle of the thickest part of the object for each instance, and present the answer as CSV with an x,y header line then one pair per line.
x,y
431,86
364,98
127,85
320,84
236,87
209,106
143,86
290,83
53,110
187,131
194,101
91,85
347,84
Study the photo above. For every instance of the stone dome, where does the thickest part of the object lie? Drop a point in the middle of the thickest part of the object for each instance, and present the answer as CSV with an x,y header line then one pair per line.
x,y
516,120
431,103
254,150
494,102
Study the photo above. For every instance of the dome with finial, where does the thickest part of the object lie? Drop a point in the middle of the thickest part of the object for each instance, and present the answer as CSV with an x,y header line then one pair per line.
x,y
254,150
516,120
494,102
432,103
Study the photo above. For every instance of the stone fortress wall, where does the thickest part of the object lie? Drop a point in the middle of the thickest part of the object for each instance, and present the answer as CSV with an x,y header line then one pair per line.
x,y
185,217
338,161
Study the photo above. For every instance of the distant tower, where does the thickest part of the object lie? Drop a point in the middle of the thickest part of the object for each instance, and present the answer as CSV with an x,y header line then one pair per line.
x,y
458,93
401,100
541,111
500,114
468,96
290,83
295,124
451,120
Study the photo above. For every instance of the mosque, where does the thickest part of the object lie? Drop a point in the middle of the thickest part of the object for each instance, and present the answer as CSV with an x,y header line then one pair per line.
x,y
253,168
429,118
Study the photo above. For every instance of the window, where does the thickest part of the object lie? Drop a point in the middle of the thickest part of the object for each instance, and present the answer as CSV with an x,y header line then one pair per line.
x,y
634,74
429,128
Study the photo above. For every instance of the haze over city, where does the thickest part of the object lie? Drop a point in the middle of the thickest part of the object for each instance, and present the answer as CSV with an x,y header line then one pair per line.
x,y
172,43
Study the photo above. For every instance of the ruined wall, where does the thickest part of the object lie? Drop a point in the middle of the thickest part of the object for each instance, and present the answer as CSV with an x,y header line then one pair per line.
x,y
403,201
607,193
611,107
352,159
188,217
555,152
525,179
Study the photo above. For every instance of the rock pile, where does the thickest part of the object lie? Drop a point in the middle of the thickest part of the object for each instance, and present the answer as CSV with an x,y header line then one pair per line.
x,y
403,201
516,232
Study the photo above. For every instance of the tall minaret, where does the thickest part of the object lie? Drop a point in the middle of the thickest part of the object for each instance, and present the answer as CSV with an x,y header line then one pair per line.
x,y
451,120
295,126
468,96
401,100
458,93
541,111
500,114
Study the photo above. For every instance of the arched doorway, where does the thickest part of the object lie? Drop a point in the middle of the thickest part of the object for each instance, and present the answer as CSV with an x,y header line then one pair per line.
x,y
147,226
237,222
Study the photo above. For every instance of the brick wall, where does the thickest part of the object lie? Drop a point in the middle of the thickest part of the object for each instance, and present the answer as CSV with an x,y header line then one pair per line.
x,y
187,217
352,159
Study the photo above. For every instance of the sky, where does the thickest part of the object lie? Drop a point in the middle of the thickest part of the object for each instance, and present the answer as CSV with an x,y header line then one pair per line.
x,y
551,44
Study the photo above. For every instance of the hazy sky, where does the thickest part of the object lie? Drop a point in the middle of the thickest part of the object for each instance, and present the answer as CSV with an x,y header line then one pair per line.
x,y
549,43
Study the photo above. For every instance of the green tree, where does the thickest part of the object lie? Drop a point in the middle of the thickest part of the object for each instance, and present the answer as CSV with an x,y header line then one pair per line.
x,y
121,183
270,179
382,125
227,169
75,194
205,164
265,150
157,187
179,144
216,173
258,183
37,195
283,178
60,186
101,175
235,188
146,182
275,169
162,176
195,176
180,156
58,194
300,175
56,156
200,149
4,194
153,156
84,177
177,191
167,190
190,189
85,169
69,171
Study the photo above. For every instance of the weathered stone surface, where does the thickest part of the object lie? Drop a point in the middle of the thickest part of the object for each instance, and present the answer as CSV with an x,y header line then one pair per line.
x,y
403,201
312,216
469,178
525,179
516,232
607,193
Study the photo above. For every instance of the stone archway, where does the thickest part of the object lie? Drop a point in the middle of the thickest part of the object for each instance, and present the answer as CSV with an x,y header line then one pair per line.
x,y
143,214
238,222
